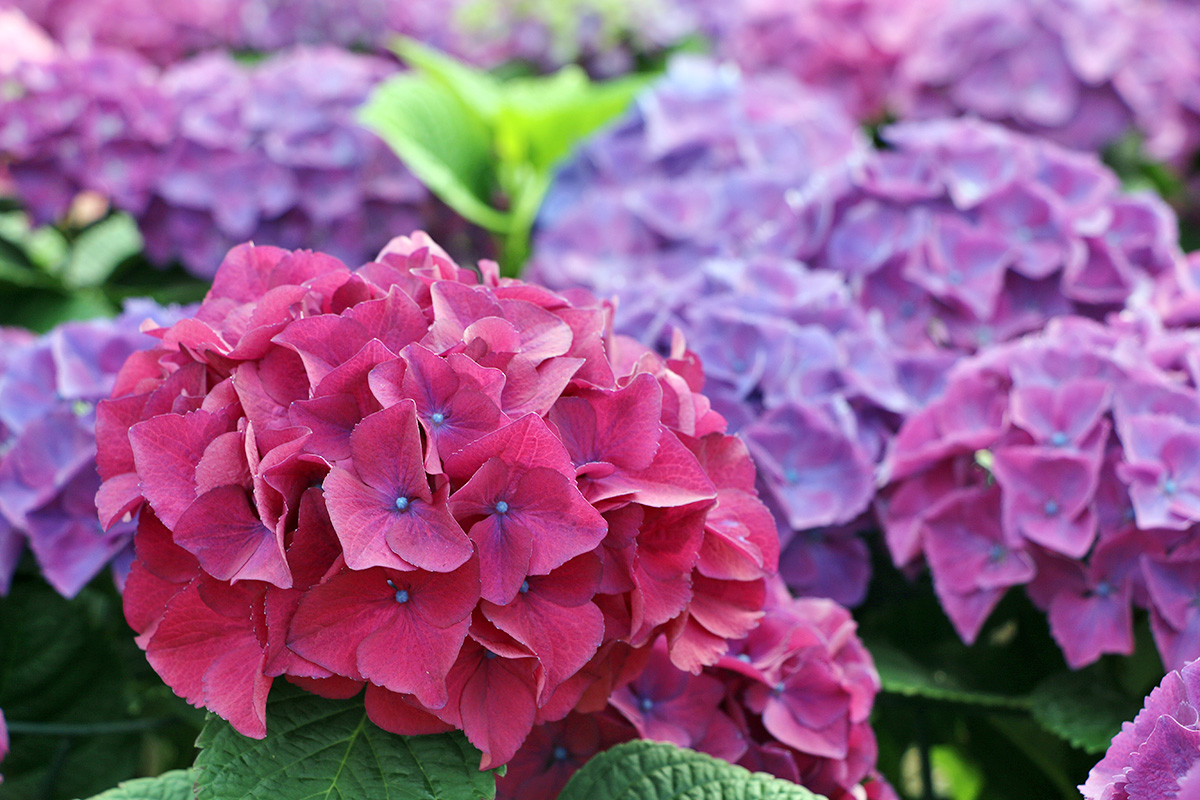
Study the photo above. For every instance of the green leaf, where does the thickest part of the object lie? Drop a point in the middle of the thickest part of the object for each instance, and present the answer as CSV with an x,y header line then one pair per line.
x,y
900,674
1085,708
444,144
479,91
643,770
99,250
319,748
178,784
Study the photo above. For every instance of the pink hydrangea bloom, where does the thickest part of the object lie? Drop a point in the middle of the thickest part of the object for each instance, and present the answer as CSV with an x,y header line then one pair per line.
x,y
791,699
1157,755
331,464
1065,462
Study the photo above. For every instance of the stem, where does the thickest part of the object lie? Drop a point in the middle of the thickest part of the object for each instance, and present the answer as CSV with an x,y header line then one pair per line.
x,y
926,758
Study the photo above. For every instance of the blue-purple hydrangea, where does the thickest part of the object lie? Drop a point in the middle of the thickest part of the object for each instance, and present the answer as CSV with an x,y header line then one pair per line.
x,y
211,152
827,286
49,387
1157,755
1066,461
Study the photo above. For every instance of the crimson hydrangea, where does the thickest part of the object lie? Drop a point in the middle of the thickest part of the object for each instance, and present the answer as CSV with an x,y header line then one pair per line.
x,y
211,152
1081,72
331,465
791,699
49,387
1064,462
1158,753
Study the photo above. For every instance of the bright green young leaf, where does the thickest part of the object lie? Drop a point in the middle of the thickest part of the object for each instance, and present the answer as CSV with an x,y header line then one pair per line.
x,y
178,784
328,749
479,91
643,770
900,674
1083,707
99,250
441,140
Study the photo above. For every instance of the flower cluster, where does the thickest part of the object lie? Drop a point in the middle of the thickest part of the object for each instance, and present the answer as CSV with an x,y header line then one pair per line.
x,y
1158,753
49,387
791,699
464,493
1081,72
850,48
211,152
1066,462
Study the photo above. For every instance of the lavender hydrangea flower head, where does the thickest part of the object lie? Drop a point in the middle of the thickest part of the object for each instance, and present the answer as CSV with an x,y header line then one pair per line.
x,y
94,122
49,386
1063,461
1158,753
211,152
273,153
1081,72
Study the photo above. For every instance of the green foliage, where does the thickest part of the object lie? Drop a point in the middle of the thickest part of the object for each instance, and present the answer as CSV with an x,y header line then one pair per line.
x,y
643,770
487,146
177,784
329,749
83,709
1085,708
902,674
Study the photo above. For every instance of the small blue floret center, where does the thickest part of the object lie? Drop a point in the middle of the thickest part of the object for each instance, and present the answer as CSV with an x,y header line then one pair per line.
x,y
402,596
437,418
501,507
402,503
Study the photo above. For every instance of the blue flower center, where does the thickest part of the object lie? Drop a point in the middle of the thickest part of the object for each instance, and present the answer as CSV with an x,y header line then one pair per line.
x,y
437,418
743,657
488,654
401,596
777,689
560,753
997,553
1170,487
501,507
1051,508
646,704
791,475
524,587
1103,589
402,503
1059,439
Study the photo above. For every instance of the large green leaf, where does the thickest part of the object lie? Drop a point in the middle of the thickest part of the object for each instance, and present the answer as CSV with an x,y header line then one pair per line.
x,y
901,674
479,91
643,770
445,144
1084,707
177,784
319,748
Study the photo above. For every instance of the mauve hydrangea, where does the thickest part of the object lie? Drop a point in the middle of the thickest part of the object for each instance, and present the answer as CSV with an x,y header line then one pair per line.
x,y
332,465
1157,755
791,699
211,152
49,387
1066,462
1081,72
850,48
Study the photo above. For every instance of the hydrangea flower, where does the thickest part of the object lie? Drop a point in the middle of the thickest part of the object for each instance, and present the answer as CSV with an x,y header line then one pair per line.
x,y
1063,462
701,212
791,699
330,465
49,387
1081,72
1158,753
852,49
211,152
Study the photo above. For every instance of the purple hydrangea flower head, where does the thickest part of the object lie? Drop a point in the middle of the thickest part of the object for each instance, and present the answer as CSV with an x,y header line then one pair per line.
x,y
95,122
49,386
210,152
1064,461
1158,753
1080,72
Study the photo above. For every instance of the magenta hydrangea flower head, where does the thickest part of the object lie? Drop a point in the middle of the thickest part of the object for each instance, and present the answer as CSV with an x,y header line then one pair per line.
x,y
331,464
1081,72
49,387
852,49
1064,462
1158,753
791,699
